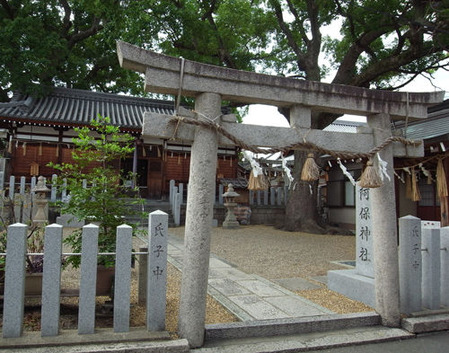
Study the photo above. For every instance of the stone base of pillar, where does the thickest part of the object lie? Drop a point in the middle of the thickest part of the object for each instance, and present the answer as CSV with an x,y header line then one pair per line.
x,y
352,285
231,224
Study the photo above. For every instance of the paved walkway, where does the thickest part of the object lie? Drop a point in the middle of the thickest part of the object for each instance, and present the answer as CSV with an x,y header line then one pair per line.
x,y
248,296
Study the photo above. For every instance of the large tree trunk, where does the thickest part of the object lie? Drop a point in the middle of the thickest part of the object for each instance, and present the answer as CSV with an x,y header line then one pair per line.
x,y
301,211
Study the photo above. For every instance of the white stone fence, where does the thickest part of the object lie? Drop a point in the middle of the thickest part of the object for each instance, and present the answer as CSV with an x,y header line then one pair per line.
x,y
20,186
274,196
19,191
423,265
15,271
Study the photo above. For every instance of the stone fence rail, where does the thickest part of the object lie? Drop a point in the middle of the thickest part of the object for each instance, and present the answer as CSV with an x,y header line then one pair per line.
x,y
15,269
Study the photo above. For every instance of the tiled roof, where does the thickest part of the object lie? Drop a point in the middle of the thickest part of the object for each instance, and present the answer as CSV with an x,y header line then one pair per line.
x,y
437,124
78,107
345,126
238,183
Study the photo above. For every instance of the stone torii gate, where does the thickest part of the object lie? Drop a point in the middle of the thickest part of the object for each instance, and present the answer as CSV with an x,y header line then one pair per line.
x,y
209,85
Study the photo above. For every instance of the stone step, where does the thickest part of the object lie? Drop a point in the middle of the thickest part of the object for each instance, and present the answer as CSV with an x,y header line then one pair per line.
x,y
305,341
172,346
290,326
427,322
103,341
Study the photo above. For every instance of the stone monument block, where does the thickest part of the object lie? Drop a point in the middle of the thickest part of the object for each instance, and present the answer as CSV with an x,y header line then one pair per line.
x,y
157,270
410,264
358,284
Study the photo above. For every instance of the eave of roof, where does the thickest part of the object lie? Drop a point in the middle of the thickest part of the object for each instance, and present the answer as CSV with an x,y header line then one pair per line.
x,y
437,124
74,107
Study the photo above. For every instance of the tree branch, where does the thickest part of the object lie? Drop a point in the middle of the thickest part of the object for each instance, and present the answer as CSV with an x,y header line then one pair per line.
x,y
92,30
314,45
210,11
300,61
298,20
66,20
391,64
223,53
346,71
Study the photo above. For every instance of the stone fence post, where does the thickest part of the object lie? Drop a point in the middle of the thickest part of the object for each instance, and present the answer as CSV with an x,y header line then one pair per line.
x,y
122,283
431,268
272,196
410,264
171,191
444,238
177,208
89,250
12,186
14,291
51,281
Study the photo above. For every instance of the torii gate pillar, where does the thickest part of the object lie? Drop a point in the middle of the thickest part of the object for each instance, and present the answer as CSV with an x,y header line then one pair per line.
x,y
203,165
385,243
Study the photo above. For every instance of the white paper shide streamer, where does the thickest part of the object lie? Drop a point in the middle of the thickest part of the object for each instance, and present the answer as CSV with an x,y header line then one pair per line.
x,y
345,172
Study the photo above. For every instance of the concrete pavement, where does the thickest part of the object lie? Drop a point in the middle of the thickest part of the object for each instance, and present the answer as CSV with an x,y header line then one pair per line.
x,y
424,343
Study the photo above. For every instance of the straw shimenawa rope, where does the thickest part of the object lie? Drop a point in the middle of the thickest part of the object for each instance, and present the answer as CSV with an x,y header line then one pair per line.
x,y
416,195
310,170
370,178
258,182
441,180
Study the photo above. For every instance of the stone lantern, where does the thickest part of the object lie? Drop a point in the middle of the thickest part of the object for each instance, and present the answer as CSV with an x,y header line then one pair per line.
x,y
229,196
40,199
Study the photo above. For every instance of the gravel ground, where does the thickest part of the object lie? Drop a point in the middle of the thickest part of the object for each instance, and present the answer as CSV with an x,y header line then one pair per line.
x,y
276,254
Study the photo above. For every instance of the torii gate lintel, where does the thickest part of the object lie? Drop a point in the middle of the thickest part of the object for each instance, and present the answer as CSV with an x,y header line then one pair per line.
x,y
163,74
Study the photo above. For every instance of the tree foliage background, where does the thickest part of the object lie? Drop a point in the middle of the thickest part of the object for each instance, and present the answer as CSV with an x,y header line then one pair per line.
x,y
375,43
380,44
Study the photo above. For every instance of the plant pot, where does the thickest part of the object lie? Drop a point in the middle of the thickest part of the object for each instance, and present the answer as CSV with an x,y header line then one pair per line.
x,y
105,280
33,284
2,281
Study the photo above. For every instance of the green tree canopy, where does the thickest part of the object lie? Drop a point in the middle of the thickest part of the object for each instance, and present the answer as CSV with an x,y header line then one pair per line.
x,y
376,43
64,43
71,43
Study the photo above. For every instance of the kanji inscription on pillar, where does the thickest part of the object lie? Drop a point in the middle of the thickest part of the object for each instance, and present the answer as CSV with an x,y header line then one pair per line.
x,y
364,235
157,270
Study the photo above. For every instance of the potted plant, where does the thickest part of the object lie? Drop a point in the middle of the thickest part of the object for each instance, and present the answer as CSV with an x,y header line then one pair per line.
x,y
97,152
34,263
